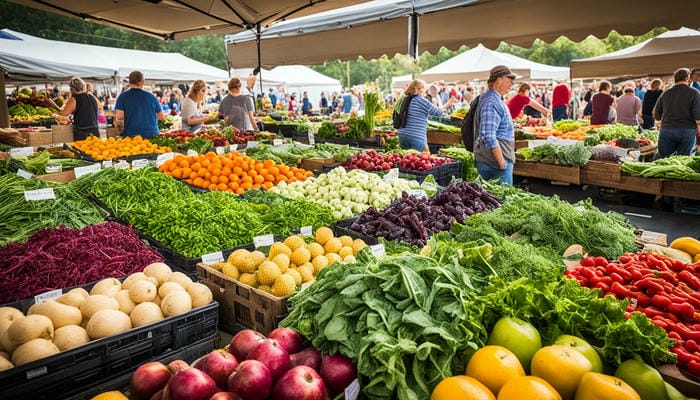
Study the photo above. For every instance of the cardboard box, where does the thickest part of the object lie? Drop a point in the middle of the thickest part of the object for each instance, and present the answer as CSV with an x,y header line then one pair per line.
x,y
62,133
59,177
25,137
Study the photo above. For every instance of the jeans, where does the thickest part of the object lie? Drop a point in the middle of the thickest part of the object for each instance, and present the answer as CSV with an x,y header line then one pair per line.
x,y
408,143
676,140
559,113
488,172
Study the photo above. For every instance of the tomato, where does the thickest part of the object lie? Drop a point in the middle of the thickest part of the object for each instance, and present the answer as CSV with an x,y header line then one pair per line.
x,y
597,386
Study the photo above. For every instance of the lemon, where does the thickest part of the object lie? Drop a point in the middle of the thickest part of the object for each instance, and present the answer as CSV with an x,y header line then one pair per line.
x,y
357,245
323,235
279,248
345,251
333,245
283,286
294,242
300,256
249,279
267,273
315,249
295,275
319,263
306,271
332,258
282,261
349,259
346,240
494,366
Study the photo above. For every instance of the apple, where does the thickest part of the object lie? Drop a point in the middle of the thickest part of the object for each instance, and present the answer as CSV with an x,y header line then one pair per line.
x,y
337,372
288,338
218,364
178,365
643,378
299,383
243,342
190,384
225,396
518,336
148,379
561,366
309,357
251,381
274,356
584,348
158,395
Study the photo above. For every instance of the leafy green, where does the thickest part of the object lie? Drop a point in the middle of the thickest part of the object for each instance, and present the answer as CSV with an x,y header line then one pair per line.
x,y
576,154
198,144
469,172
685,168
612,132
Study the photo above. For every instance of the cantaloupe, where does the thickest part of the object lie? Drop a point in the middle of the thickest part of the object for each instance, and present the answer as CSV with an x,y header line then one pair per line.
x,y
107,323
142,291
200,294
70,336
158,270
60,314
124,300
136,276
181,278
146,313
30,327
168,287
33,350
176,303
97,302
5,364
107,286
74,299
8,315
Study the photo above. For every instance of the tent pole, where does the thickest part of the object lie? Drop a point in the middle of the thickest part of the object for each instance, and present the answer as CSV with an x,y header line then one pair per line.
x,y
413,35
257,44
4,113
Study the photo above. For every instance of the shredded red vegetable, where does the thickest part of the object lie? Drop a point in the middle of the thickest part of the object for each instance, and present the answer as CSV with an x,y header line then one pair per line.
x,y
62,257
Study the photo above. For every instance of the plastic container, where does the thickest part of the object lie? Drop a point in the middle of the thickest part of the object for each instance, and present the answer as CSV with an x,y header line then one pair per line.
x,y
342,228
182,263
442,174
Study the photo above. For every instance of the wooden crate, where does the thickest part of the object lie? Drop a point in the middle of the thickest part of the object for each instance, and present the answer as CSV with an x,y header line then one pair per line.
x,y
242,306
315,164
600,173
682,189
435,137
521,144
62,133
552,172
639,184
59,177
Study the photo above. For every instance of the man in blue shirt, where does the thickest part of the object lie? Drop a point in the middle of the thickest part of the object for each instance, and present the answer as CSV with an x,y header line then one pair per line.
x,y
137,110
695,76
494,148
273,98
346,101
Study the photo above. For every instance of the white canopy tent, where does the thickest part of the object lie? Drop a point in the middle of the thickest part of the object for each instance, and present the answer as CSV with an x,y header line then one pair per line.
x,y
476,63
294,79
657,56
399,82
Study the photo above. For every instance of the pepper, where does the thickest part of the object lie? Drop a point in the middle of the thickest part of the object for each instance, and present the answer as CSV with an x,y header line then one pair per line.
x,y
677,265
692,346
616,278
660,301
651,285
656,262
669,276
684,358
601,261
601,279
685,332
684,311
690,280
625,259
588,262
694,367
619,290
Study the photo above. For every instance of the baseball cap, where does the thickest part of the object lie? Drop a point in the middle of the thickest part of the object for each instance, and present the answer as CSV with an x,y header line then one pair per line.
x,y
499,71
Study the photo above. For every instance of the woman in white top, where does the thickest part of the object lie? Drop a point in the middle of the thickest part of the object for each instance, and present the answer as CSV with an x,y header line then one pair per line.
x,y
192,115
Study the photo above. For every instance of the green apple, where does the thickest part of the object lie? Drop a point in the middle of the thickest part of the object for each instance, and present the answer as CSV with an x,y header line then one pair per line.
x,y
645,379
518,336
584,348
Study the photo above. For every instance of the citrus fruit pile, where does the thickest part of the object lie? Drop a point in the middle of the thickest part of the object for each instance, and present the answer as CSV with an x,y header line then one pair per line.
x,y
111,148
232,172
289,263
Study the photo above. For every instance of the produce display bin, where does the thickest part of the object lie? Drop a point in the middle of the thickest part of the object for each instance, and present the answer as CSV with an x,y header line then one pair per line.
x,y
682,189
26,136
443,174
437,137
374,142
242,306
342,228
62,133
553,172
180,262
315,164
349,142
75,370
598,173
83,156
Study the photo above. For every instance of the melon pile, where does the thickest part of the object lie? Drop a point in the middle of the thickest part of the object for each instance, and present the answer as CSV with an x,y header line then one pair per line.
x,y
111,307
291,262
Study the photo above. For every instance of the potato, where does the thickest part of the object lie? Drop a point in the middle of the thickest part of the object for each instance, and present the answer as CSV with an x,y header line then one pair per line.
x,y
5,364
158,270
60,314
146,313
142,291
107,323
136,276
125,302
30,327
70,336
5,355
80,291
200,294
74,299
33,350
6,344
176,303
8,315
97,302
168,287
108,287
180,278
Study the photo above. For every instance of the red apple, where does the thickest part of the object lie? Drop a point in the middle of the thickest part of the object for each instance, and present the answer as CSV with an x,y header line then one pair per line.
x,y
251,381
190,384
158,395
225,396
178,365
337,372
289,339
218,364
299,383
309,357
148,379
243,342
274,356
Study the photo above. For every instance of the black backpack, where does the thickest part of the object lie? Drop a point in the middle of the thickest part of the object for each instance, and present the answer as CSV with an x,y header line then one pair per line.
x,y
400,114
468,125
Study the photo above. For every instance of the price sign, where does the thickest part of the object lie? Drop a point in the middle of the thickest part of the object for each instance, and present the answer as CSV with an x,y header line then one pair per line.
x,y
312,140
392,175
251,144
277,142
122,165
138,164
264,240
353,390
88,169
46,296
306,230
24,174
21,152
419,193
191,153
106,163
162,158
213,258
39,194
233,147
53,168
220,150
378,250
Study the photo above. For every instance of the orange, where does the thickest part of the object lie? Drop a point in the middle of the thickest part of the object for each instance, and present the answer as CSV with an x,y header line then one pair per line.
x,y
494,366
258,179
223,179
528,388
268,185
461,387
214,179
222,186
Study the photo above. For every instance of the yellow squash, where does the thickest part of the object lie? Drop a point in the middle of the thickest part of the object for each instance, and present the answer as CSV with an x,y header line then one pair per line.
x,y
597,386
687,244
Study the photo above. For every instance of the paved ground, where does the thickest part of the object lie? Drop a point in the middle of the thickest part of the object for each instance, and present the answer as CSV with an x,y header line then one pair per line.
x,y
641,209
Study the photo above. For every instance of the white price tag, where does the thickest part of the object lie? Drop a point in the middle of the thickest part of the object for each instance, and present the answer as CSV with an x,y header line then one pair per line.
x,y
213,258
220,150
307,230
39,194
277,142
312,140
36,372
122,164
191,153
24,174
88,169
233,147
419,193
106,163
264,240
46,296
138,164
21,152
378,250
162,158
392,175
353,390
53,168
251,144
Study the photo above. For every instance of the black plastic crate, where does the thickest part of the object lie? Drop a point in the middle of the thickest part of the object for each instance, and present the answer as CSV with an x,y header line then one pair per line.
x,y
181,263
72,371
350,142
342,228
443,174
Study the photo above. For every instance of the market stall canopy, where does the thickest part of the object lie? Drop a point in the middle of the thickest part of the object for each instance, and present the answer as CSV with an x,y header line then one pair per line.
x,y
659,56
381,28
32,58
400,82
177,19
477,62
299,79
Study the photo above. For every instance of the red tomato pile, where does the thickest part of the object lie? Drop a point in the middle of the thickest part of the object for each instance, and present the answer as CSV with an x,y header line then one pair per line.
x,y
372,161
